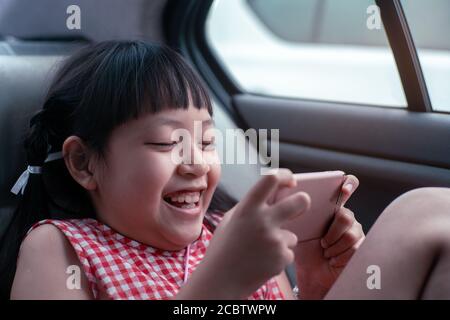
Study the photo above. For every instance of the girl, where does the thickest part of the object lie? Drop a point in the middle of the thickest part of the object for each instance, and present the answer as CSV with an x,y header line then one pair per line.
x,y
104,197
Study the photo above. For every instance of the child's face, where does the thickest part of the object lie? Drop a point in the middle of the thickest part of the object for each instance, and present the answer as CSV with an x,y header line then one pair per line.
x,y
141,189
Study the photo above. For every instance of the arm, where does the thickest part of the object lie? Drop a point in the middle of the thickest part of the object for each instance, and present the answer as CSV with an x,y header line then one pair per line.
x,y
44,257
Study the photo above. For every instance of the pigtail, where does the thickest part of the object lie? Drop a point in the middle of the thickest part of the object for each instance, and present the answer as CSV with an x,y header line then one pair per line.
x,y
32,206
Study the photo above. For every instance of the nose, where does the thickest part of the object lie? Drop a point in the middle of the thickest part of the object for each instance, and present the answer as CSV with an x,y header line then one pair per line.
x,y
195,166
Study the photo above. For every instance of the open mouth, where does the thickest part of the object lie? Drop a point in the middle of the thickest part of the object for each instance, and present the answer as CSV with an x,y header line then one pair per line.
x,y
184,199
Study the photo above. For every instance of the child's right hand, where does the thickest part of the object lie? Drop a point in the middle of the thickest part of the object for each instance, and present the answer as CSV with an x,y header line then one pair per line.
x,y
249,247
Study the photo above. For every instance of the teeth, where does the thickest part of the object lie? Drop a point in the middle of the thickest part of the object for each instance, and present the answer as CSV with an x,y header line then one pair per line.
x,y
191,197
188,206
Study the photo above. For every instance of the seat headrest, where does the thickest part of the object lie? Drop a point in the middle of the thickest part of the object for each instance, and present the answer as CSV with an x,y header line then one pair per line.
x,y
100,19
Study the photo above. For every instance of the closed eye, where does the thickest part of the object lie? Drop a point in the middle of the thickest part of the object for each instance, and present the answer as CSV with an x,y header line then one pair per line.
x,y
208,145
205,144
162,144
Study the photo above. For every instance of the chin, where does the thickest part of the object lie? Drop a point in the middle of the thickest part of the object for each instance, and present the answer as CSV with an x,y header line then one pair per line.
x,y
184,237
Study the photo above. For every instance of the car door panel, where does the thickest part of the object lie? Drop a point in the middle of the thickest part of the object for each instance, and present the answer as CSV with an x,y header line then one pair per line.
x,y
390,150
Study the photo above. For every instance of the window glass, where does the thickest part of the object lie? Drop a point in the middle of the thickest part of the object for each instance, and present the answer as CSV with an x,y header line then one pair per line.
x,y
311,49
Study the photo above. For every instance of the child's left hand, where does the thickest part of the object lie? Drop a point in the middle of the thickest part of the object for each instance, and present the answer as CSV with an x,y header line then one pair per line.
x,y
320,261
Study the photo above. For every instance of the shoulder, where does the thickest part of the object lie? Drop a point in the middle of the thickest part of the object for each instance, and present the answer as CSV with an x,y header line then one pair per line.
x,y
45,256
42,238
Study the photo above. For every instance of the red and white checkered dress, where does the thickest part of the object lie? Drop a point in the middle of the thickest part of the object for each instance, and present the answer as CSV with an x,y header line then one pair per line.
x,y
123,268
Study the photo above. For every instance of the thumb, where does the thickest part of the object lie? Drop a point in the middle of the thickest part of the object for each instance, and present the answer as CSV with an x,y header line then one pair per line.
x,y
348,187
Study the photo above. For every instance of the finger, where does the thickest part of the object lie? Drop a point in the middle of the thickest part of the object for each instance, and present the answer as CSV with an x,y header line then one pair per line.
x,y
342,259
289,238
289,257
348,239
287,180
269,184
349,186
343,220
290,207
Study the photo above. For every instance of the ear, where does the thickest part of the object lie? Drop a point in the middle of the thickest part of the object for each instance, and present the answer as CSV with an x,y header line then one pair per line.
x,y
79,161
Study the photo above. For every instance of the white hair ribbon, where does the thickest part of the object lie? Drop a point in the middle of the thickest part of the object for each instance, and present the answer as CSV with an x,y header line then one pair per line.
x,y
21,183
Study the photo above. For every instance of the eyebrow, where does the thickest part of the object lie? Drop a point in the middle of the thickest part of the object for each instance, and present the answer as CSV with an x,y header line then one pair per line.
x,y
176,123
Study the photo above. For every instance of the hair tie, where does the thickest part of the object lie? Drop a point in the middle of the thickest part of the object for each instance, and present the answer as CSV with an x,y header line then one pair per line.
x,y
21,183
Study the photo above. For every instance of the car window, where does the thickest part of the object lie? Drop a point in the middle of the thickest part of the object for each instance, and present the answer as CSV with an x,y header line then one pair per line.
x,y
310,49
429,22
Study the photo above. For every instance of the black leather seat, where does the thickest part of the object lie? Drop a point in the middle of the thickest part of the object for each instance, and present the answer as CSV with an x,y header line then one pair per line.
x,y
24,80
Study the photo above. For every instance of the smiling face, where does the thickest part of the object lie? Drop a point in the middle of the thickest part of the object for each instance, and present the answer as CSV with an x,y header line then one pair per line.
x,y
145,195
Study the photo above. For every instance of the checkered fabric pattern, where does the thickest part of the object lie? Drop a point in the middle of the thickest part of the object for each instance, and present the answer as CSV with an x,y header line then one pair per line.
x,y
123,268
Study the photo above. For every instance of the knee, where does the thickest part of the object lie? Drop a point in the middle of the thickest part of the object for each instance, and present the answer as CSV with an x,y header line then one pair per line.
x,y
423,213
427,195
429,202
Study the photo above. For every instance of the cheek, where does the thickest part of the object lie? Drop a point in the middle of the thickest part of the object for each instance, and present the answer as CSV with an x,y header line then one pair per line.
x,y
213,177
153,175
138,179
216,169
214,173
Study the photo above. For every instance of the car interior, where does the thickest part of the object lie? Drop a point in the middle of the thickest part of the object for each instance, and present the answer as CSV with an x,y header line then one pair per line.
x,y
390,150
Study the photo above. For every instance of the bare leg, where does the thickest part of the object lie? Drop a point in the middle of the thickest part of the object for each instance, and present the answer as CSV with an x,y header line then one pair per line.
x,y
410,243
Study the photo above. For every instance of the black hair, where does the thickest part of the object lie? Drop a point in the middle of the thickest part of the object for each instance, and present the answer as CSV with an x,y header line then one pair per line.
x,y
97,89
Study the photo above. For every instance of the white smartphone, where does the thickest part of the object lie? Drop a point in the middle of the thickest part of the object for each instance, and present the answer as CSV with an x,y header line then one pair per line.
x,y
324,189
